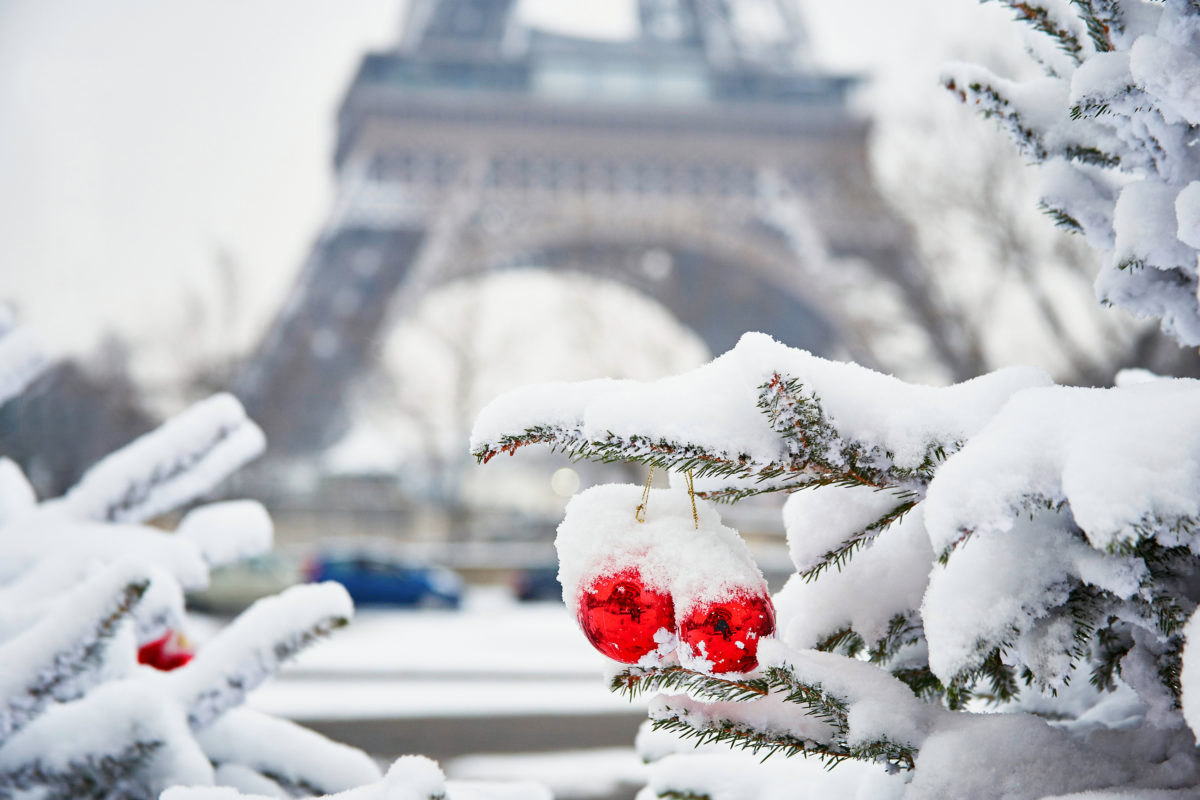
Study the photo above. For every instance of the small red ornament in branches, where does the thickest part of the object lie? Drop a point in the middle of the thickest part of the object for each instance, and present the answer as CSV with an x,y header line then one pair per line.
x,y
170,651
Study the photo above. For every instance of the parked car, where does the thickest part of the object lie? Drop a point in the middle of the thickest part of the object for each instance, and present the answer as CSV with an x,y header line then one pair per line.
x,y
537,583
375,579
232,588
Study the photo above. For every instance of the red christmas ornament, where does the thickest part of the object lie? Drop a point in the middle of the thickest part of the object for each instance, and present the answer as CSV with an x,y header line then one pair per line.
x,y
620,616
170,651
727,633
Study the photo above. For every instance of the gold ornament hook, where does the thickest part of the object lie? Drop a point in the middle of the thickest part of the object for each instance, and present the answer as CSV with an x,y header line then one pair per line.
x,y
640,514
692,495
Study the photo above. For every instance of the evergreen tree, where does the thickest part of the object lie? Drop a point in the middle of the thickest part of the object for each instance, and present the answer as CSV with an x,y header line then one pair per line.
x,y
1001,545
88,590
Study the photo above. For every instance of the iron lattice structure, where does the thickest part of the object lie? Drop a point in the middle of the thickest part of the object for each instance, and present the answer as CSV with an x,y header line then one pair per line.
x,y
713,169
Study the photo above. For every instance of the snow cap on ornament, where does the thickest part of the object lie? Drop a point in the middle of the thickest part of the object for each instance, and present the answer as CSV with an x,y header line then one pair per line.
x,y
671,584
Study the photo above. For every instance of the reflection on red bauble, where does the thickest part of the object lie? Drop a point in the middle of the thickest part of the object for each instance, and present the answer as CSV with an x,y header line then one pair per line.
x,y
168,652
726,633
620,616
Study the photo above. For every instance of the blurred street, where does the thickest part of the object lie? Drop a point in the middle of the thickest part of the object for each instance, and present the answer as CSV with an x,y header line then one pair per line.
x,y
498,689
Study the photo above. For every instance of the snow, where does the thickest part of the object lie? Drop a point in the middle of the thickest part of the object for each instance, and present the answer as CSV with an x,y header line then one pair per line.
x,y
895,567
1187,214
578,774
16,495
879,706
111,722
716,406
1125,460
537,662
771,714
1009,756
181,460
282,749
409,778
1117,129
229,531
1170,72
1145,224
735,775
1189,679
1101,77
252,647
997,583
820,519
406,698
56,654
25,563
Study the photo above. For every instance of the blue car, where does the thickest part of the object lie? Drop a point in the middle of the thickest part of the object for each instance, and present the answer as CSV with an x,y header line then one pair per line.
x,y
537,583
374,580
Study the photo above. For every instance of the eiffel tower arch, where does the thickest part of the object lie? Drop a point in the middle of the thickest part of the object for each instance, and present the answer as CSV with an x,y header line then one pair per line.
x,y
720,175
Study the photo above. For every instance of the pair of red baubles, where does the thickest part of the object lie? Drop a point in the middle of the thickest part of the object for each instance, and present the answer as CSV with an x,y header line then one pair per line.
x,y
622,618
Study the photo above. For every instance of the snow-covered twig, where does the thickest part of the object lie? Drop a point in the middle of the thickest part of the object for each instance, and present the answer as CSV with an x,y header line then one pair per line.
x,y
254,646
180,461
53,660
294,757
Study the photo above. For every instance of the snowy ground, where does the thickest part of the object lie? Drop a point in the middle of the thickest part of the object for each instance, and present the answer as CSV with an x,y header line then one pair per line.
x,y
493,657
445,671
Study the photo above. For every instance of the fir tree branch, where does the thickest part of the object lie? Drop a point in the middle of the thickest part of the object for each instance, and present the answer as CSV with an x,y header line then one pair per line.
x,y
1112,643
822,456
1040,18
642,449
254,646
635,681
93,777
816,454
845,641
739,735
1026,504
989,101
1102,18
59,654
268,745
839,556
180,460
1000,677
921,680
1061,218
777,680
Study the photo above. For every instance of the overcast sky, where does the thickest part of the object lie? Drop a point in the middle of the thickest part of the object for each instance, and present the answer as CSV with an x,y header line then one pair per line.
x,y
139,137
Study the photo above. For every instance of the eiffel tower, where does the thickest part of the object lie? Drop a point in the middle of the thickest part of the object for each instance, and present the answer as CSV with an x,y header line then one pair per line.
x,y
704,162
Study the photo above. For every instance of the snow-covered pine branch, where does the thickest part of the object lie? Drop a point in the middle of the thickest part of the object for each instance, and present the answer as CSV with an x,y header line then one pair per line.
x,y
180,461
762,417
85,594
123,740
254,646
229,531
63,653
292,757
1004,541
409,778
1113,128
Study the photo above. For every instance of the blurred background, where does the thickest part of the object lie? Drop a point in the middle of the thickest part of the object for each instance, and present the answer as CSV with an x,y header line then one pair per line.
x,y
367,219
